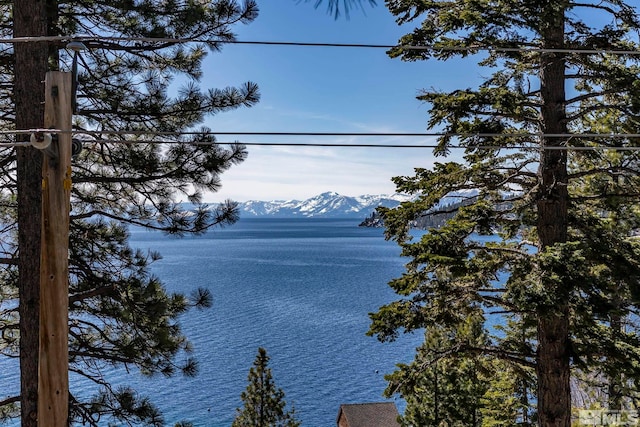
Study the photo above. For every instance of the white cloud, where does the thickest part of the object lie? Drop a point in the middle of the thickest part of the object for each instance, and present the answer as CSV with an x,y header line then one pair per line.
x,y
302,172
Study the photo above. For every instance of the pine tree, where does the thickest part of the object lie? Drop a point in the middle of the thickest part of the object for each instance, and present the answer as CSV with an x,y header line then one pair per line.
x,y
445,385
561,263
264,404
120,314
333,6
612,297
438,389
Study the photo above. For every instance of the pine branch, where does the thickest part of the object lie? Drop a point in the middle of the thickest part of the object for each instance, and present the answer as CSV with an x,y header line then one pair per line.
x,y
9,400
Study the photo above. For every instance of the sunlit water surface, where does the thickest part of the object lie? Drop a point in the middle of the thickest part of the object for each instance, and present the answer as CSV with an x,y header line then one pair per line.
x,y
300,288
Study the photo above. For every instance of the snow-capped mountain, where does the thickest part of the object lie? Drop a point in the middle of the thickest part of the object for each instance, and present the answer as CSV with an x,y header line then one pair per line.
x,y
325,205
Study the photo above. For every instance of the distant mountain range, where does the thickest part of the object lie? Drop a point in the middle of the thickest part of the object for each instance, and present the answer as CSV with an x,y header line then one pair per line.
x,y
325,205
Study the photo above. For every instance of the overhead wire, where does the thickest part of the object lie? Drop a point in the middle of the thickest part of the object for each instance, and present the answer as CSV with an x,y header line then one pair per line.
x,y
98,137
349,145
97,39
295,133
112,39
381,145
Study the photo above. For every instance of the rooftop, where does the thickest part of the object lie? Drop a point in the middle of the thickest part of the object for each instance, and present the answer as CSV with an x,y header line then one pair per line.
x,y
378,414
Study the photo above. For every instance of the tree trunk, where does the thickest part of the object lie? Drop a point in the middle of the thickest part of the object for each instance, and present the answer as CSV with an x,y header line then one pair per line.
x,y
30,68
554,393
615,377
553,368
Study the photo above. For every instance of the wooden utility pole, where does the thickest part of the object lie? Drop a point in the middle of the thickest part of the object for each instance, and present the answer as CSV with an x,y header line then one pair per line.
x,y
53,383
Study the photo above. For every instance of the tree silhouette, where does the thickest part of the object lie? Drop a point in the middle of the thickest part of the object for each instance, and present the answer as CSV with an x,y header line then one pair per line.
x,y
548,244
264,404
120,314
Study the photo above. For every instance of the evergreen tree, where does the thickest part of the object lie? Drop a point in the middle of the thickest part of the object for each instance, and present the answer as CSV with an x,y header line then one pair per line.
x,y
264,404
120,315
439,389
608,217
448,385
563,265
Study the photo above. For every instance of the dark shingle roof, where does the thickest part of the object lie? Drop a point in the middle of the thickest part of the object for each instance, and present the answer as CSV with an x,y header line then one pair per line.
x,y
380,414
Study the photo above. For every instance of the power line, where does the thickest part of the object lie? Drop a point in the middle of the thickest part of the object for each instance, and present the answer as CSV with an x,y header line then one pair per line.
x,y
374,134
15,144
97,39
401,146
325,134
352,145
97,137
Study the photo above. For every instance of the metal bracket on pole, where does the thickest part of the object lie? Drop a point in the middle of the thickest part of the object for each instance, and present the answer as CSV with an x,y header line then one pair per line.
x,y
77,47
43,142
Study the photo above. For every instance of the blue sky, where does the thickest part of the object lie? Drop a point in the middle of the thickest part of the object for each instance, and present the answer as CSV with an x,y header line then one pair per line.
x,y
324,89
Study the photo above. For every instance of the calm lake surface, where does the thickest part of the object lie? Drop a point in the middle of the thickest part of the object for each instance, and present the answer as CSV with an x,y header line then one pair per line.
x,y
300,288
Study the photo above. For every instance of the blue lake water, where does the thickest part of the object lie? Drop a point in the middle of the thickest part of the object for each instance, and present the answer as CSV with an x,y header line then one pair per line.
x,y
300,288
